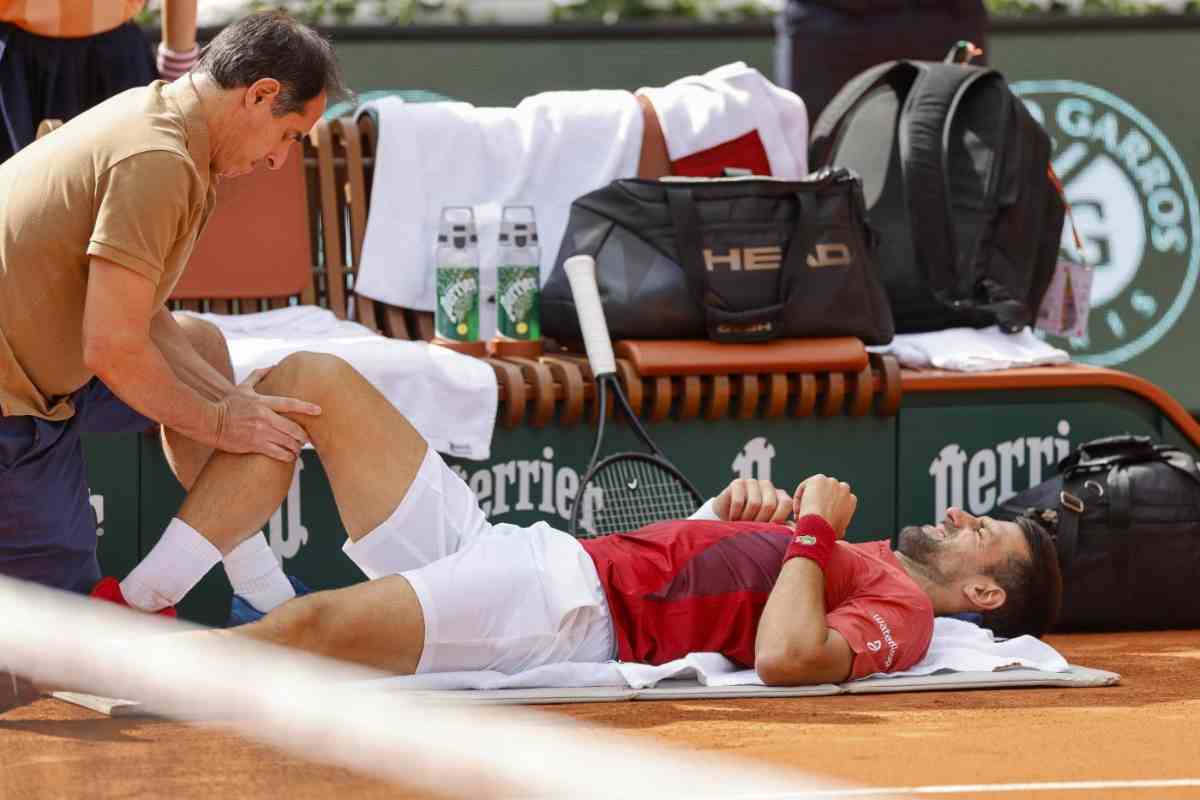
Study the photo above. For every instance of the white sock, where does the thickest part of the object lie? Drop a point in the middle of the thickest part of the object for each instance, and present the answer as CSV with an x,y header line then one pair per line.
x,y
255,574
172,567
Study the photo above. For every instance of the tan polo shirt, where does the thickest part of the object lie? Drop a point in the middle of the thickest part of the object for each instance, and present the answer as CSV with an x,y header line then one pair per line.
x,y
127,180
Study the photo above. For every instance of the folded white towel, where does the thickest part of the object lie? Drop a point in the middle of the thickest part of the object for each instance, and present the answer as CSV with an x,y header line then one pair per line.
x,y
972,350
449,398
957,646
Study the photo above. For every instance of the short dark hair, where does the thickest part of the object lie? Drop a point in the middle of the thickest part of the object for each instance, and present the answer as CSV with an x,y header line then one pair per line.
x,y
273,45
1033,586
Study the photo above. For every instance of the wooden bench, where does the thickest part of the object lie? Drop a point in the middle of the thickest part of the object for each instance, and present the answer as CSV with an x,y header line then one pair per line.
x,y
256,252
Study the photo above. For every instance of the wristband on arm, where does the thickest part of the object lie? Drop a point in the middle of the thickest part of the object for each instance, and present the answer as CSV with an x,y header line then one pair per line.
x,y
173,63
813,539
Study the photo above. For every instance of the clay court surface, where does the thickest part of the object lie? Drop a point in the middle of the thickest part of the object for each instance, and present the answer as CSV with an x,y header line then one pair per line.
x,y
1148,728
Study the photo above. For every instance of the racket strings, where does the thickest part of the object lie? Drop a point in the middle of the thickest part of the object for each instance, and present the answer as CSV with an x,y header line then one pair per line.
x,y
637,492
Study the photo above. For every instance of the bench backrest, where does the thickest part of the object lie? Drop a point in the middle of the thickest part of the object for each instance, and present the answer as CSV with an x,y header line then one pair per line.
x,y
256,250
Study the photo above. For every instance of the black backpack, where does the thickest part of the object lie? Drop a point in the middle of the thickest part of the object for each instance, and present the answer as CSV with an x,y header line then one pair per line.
x,y
1128,534
970,230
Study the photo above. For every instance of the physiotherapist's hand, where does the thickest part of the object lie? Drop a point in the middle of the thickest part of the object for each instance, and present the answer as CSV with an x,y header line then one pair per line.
x,y
828,498
752,500
254,423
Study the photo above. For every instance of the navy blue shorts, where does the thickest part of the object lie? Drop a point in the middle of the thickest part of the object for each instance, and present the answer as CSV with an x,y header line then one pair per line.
x,y
47,528
47,78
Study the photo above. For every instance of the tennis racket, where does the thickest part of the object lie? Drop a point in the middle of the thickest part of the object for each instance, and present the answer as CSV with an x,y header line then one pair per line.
x,y
627,490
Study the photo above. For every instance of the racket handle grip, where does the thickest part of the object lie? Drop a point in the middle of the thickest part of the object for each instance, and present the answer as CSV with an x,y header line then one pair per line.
x,y
581,272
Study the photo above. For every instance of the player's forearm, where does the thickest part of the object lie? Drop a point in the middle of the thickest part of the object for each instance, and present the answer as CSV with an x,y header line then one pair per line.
x,y
792,627
179,24
189,366
138,372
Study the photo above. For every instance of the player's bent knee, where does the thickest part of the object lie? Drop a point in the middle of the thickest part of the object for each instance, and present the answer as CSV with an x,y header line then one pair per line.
x,y
309,376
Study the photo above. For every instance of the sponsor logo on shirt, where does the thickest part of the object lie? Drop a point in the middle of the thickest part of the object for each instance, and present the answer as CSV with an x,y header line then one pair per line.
x,y
887,637
875,646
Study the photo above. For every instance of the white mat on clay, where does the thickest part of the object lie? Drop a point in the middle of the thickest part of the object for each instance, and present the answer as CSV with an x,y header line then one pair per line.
x,y
961,656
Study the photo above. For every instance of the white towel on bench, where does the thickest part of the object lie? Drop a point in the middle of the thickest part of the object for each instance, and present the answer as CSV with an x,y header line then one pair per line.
x,y
547,151
449,398
957,646
972,350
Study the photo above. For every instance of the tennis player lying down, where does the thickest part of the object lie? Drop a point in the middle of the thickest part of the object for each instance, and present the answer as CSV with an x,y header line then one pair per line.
x,y
451,591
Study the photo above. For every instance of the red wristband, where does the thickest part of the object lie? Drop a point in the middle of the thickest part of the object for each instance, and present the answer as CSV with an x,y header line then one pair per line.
x,y
813,540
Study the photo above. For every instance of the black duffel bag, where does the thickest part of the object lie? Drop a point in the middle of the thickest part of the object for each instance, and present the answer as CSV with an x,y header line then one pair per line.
x,y
729,259
1128,534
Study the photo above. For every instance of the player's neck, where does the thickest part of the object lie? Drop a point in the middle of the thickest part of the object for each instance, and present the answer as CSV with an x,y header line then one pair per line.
x,y
945,599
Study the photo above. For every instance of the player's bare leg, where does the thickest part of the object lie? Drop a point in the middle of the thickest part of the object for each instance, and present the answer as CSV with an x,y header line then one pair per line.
x,y
368,449
376,624
185,456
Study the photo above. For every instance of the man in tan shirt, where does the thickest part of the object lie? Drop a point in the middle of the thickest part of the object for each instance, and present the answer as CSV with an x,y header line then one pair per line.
x,y
97,221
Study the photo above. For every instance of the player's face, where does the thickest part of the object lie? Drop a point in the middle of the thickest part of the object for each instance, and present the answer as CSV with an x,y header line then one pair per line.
x,y
265,138
963,545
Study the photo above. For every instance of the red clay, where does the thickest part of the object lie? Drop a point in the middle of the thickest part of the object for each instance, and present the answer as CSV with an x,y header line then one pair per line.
x,y
1147,728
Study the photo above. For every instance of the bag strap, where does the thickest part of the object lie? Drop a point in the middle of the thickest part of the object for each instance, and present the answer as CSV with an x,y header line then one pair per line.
x,y
924,124
685,219
829,124
1070,509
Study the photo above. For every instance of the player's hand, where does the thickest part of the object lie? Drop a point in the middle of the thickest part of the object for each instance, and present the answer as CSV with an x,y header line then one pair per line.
x,y
753,500
829,499
254,423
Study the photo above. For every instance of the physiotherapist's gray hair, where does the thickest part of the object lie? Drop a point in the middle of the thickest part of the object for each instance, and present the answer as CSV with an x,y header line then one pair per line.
x,y
274,45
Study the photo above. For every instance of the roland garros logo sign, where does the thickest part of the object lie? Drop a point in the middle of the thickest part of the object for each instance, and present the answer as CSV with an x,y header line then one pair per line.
x,y
1136,211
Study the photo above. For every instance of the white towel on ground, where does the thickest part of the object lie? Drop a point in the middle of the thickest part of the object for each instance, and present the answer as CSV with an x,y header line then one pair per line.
x,y
972,350
449,398
957,646
549,150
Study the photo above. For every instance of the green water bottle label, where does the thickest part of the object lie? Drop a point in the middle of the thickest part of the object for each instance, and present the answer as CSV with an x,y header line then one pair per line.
x,y
517,301
457,316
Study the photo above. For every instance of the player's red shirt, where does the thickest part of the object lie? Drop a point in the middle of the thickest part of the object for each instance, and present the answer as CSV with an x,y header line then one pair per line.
x,y
688,586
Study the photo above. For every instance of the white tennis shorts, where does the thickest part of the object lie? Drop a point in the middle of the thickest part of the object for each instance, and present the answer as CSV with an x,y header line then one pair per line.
x,y
494,596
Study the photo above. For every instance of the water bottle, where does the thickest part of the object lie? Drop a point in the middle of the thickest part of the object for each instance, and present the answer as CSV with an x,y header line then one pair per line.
x,y
518,276
456,314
